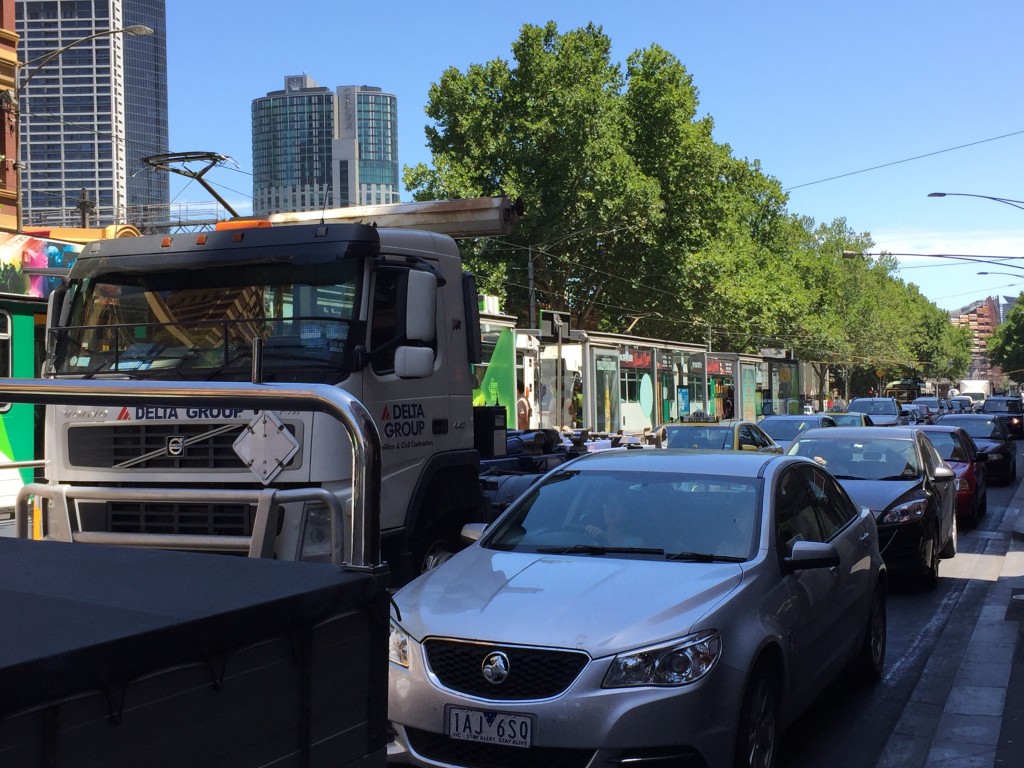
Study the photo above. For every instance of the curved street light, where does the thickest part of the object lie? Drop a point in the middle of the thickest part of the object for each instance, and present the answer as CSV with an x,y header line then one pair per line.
x,y
1006,200
40,62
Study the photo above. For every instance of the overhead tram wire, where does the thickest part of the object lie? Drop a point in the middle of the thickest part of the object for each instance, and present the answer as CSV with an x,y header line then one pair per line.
x,y
906,160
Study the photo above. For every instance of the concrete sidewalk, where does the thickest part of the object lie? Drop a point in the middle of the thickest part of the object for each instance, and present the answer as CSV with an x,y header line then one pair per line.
x,y
967,709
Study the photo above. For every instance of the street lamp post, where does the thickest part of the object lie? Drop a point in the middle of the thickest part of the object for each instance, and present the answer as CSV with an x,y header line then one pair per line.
x,y
1005,200
40,62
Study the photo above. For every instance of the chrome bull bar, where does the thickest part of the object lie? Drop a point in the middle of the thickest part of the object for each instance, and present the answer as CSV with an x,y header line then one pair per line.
x,y
362,527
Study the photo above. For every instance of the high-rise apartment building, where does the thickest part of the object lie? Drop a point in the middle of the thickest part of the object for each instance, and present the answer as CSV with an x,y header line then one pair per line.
x,y
314,148
89,114
981,318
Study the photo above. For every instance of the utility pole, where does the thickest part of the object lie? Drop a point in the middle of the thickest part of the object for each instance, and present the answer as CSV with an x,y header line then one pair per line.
x,y
85,206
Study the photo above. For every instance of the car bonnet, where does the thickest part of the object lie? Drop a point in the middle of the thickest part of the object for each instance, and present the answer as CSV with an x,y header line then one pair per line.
x,y
879,495
600,604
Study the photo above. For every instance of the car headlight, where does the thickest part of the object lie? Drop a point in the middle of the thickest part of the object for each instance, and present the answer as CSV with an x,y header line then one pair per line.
x,y
962,484
680,662
398,645
907,512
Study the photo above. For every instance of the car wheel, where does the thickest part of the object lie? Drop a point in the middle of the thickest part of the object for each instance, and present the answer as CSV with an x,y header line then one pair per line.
x,y
870,659
757,736
930,575
949,550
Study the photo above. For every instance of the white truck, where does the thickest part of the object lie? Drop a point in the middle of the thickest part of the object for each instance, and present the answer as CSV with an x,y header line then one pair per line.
x,y
344,298
976,389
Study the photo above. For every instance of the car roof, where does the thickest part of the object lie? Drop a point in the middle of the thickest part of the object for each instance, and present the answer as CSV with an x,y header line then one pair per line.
x,y
861,433
940,427
729,463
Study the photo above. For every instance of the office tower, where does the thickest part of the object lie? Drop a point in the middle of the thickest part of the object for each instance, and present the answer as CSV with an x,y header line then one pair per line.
x,y
314,148
91,112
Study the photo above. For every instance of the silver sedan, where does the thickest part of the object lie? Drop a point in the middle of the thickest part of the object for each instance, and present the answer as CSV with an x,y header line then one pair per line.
x,y
654,607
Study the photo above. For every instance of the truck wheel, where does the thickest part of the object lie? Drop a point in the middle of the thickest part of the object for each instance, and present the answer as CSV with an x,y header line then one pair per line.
x,y
436,544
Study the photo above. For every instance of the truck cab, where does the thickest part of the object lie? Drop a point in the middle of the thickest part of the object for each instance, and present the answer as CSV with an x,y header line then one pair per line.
x,y
387,314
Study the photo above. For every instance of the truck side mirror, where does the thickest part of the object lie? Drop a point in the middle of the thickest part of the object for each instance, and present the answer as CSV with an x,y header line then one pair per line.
x,y
413,361
54,310
421,307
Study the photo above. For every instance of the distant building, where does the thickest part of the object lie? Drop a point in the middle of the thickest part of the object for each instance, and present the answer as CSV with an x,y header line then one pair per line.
x,y
981,317
314,148
90,114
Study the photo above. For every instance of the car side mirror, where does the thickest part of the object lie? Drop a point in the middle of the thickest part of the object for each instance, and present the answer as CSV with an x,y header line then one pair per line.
x,y
811,554
472,532
943,474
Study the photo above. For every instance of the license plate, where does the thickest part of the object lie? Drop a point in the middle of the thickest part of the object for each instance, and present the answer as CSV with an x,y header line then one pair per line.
x,y
490,727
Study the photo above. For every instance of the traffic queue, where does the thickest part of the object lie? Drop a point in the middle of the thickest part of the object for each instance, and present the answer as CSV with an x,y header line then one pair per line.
x,y
682,599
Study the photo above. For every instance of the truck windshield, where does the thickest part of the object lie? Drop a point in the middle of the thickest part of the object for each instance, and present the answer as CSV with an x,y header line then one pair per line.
x,y
202,323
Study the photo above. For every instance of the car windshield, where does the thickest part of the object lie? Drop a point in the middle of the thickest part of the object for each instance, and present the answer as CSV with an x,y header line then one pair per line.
x,y
702,436
1002,406
847,419
635,514
784,429
870,459
983,429
877,407
949,446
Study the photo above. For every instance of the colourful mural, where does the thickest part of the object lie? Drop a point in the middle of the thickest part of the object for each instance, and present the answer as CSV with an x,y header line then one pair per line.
x,y
20,254
23,287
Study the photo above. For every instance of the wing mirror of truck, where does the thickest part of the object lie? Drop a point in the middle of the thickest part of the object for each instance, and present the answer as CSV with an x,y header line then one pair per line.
x,y
416,360
54,310
421,307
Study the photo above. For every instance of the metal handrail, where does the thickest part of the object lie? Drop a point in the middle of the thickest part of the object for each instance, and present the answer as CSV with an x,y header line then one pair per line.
x,y
364,525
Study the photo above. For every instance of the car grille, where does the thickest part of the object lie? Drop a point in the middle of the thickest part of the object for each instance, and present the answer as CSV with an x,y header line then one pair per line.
x,y
534,673
437,746
110,447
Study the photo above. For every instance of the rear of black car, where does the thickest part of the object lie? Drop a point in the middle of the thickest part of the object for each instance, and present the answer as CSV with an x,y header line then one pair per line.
x,y
1009,410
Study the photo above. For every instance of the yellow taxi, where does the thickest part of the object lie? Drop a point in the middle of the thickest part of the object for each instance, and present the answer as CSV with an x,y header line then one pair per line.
x,y
733,434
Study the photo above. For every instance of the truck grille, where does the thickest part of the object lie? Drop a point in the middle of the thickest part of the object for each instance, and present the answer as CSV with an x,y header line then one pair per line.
x,y
534,673
111,447
172,518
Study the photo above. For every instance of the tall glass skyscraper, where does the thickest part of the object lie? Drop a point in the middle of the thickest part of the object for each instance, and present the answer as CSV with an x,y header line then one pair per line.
x,y
90,113
314,148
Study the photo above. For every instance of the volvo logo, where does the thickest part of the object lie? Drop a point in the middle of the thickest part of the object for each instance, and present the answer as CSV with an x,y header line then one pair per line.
x,y
495,668
176,446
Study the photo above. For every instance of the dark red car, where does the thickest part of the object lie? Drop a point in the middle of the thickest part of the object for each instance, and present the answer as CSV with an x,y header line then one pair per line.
x,y
962,454
992,436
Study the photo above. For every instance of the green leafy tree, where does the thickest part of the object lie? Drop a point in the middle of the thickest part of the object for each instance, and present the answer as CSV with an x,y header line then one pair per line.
x,y
1006,345
636,218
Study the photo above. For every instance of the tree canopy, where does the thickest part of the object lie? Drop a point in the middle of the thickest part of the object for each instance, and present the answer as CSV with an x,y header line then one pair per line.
x,y
1006,346
637,218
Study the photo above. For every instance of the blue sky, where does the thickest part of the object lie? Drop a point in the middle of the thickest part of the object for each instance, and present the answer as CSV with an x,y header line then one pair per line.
x,y
926,93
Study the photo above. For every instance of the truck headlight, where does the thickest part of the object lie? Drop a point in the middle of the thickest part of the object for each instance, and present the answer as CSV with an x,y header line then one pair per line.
x,y
316,535
907,512
398,645
680,662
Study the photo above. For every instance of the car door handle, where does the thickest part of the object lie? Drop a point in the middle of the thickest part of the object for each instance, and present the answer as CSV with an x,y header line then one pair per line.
x,y
865,538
